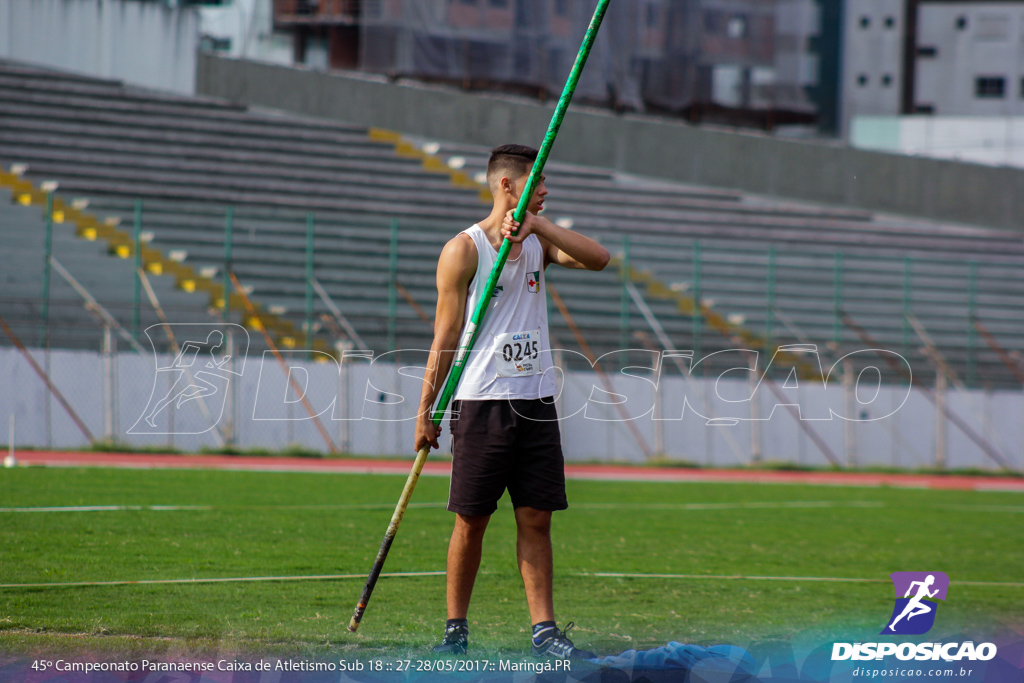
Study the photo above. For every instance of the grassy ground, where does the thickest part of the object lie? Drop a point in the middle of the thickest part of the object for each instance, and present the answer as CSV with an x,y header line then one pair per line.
x,y
276,524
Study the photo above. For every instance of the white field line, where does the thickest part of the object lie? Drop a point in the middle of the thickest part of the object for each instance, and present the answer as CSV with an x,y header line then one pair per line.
x,y
738,577
177,508
999,488
796,504
295,468
612,575
729,506
108,508
321,577
816,504
656,477
753,479
987,508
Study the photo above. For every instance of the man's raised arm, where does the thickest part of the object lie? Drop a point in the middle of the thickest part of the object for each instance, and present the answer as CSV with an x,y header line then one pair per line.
x,y
562,247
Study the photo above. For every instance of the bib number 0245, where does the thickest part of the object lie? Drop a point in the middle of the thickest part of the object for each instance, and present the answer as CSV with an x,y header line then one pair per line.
x,y
516,351
517,354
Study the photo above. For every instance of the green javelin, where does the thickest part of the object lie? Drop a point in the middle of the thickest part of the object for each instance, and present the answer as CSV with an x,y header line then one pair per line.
x,y
469,336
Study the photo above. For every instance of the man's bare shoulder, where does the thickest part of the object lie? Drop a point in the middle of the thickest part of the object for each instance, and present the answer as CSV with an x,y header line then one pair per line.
x,y
460,245
458,258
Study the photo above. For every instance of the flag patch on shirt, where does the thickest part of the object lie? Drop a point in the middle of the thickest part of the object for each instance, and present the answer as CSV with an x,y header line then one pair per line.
x,y
533,281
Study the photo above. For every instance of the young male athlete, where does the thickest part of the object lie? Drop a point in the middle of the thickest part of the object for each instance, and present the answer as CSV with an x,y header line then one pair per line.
x,y
506,434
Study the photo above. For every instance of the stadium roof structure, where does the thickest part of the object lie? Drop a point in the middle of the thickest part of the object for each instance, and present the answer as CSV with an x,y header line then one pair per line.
x,y
719,269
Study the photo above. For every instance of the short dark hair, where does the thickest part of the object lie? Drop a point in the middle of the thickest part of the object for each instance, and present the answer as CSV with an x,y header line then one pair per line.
x,y
510,161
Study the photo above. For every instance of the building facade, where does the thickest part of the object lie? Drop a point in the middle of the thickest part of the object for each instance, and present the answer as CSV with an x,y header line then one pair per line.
x,y
871,74
691,57
931,57
970,59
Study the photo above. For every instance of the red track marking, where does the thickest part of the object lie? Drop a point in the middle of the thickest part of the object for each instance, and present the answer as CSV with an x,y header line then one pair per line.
x,y
444,468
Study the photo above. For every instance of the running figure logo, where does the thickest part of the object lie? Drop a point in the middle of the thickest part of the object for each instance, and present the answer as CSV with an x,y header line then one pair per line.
x,y
197,378
912,615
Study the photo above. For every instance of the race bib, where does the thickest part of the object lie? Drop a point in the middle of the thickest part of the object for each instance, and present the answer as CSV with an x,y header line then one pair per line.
x,y
517,354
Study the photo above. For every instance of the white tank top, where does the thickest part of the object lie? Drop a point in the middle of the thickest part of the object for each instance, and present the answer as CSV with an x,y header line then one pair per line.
x,y
511,357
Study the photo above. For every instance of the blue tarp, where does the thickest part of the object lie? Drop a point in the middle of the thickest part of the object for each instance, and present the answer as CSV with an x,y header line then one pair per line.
x,y
723,663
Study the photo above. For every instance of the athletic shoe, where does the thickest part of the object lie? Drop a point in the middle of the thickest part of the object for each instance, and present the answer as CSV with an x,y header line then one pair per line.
x,y
559,646
455,641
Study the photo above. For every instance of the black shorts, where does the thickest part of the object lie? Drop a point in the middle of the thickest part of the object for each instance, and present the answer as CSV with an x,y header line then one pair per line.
x,y
506,443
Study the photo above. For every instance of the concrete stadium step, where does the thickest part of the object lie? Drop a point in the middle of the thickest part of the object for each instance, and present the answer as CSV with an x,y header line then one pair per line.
x,y
29,93
366,198
200,140
474,160
867,241
478,155
38,73
33,77
810,234
92,187
579,178
109,279
43,161
59,146
244,127
172,210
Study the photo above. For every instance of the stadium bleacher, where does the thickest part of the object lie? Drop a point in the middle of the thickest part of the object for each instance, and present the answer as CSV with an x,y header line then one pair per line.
x,y
71,324
777,271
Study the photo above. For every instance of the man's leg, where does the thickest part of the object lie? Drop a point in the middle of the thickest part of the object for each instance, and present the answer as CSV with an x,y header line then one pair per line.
x,y
464,550
533,550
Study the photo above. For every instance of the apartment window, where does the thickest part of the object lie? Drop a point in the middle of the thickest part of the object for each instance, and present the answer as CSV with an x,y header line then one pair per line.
x,y
865,22
886,80
713,22
924,109
652,15
862,80
890,22
987,87
961,22
214,43
927,51
992,28
736,27
1022,87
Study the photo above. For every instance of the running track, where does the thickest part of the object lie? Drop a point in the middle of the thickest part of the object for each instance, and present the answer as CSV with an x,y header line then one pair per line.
x,y
443,469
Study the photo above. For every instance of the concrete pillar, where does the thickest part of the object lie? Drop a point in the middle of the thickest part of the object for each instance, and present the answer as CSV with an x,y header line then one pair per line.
x,y
755,413
940,420
849,435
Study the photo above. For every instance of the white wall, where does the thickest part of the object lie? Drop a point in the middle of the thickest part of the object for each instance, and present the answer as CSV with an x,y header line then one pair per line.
x,y
989,140
249,25
143,43
255,402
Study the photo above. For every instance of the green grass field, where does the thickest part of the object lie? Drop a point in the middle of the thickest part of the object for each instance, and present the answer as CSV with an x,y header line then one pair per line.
x,y
274,524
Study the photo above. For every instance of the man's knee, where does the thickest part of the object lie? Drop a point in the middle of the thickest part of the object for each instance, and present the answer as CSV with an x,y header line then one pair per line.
x,y
471,525
531,520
